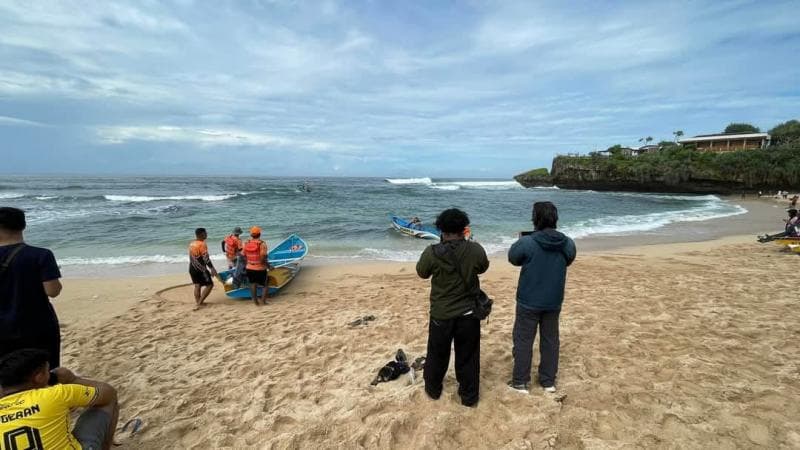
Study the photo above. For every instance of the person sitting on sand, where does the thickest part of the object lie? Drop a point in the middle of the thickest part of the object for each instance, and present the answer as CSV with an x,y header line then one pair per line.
x,y
451,319
790,228
35,405
256,253
544,256
199,267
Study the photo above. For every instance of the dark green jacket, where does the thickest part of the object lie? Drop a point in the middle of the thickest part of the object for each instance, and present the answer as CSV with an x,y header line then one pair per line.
x,y
449,299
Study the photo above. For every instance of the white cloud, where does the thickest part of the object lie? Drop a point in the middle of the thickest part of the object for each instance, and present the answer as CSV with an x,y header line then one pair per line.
x,y
204,137
13,121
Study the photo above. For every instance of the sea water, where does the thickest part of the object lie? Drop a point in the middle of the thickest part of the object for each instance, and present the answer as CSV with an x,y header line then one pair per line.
x,y
95,222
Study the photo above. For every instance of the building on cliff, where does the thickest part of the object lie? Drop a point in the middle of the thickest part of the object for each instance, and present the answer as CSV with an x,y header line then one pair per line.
x,y
728,142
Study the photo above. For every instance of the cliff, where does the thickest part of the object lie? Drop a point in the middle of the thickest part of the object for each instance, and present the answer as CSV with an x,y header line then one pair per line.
x,y
675,170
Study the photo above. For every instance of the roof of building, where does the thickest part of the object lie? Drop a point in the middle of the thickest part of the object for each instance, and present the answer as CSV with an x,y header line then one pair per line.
x,y
725,137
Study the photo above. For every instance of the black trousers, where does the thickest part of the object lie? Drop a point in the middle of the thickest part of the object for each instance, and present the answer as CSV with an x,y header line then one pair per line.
x,y
465,333
49,342
525,325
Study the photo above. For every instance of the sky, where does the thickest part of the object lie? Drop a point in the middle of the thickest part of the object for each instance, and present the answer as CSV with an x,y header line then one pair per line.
x,y
384,88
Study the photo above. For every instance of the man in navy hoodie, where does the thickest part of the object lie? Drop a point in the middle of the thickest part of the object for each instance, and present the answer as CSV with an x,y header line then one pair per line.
x,y
544,256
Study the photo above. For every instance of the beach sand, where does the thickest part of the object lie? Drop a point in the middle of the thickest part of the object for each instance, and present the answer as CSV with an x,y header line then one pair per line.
x,y
665,346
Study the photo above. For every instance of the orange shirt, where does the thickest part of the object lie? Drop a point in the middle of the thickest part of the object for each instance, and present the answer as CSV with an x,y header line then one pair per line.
x,y
198,255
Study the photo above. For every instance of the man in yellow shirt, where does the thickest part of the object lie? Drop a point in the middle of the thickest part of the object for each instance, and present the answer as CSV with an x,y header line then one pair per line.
x,y
35,406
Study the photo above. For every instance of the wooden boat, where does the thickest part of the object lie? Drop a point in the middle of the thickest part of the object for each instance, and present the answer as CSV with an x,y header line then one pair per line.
x,y
422,232
277,279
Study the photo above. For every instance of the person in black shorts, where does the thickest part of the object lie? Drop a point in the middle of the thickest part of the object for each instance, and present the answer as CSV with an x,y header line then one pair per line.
x,y
29,277
199,267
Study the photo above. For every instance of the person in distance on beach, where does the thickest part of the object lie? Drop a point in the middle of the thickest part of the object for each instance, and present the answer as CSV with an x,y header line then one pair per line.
x,y
35,405
257,254
451,319
544,256
29,277
200,268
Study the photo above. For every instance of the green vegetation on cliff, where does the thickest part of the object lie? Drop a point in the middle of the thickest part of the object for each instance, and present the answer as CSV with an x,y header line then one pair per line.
x,y
778,165
676,168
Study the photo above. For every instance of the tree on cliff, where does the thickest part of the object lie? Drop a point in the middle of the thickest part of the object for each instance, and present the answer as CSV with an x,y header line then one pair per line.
x,y
741,128
788,131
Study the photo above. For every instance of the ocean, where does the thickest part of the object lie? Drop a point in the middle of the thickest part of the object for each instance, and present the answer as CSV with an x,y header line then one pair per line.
x,y
92,223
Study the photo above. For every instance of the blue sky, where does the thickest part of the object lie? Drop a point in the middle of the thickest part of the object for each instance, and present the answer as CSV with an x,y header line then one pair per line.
x,y
377,88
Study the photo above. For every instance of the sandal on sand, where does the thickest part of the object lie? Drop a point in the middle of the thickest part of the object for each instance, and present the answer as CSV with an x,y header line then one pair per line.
x,y
418,364
136,425
361,321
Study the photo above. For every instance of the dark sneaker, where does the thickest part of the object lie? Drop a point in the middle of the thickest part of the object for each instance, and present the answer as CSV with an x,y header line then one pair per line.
x,y
522,388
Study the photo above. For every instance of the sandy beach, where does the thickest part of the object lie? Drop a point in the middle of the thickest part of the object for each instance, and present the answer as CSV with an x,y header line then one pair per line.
x,y
685,345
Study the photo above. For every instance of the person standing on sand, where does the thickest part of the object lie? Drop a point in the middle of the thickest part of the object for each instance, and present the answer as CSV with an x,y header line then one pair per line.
x,y
199,267
257,254
232,247
544,256
451,319
29,277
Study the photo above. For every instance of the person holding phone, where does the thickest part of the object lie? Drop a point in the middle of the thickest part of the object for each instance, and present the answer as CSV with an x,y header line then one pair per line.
x,y
544,256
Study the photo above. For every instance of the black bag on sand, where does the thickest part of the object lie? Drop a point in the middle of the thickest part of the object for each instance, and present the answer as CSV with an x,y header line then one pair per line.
x,y
393,369
482,303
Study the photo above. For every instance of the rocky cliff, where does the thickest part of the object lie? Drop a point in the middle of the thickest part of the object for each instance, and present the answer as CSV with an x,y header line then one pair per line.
x,y
680,170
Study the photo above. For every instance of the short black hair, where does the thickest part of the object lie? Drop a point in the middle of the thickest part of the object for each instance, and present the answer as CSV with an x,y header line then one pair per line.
x,y
12,219
18,366
199,231
452,220
545,215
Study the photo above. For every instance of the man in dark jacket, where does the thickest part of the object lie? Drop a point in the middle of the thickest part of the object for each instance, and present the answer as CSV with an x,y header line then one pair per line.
x,y
544,256
451,263
29,278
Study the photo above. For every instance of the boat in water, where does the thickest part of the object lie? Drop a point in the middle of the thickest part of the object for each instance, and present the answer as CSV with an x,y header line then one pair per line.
x,y
285,260
418,231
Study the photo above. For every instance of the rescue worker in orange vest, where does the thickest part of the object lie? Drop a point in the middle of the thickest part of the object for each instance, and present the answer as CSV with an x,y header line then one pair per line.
x,y
232,247
255,251
199,266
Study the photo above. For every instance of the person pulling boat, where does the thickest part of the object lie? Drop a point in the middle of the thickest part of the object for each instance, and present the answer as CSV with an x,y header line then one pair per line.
x,y
256,253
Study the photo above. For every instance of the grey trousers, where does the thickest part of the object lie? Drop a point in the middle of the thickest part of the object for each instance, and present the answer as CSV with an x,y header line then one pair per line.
x,y
525,325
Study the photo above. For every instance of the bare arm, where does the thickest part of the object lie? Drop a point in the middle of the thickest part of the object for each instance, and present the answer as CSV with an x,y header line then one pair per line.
x,y
106,394
52,288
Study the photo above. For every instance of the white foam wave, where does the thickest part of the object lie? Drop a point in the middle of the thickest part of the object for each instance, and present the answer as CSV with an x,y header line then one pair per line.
x,y
684,197
9,195
486,185
629,224
424,180
553,188
126,260
143,198
46,197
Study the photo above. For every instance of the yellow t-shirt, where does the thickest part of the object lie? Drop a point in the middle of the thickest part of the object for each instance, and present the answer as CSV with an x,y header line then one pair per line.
x,y
39,418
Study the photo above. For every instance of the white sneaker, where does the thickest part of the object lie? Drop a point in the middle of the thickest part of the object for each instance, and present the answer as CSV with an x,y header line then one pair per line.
x,y
522,388
550,389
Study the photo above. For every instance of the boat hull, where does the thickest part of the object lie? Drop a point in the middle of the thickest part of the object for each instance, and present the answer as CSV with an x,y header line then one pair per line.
x,y
404,227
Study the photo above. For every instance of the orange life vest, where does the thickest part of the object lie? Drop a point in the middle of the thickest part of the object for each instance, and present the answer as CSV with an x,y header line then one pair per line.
x,y
255,250
232,246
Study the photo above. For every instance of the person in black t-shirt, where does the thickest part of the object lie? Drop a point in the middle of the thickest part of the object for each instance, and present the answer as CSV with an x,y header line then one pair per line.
x,y
29,277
